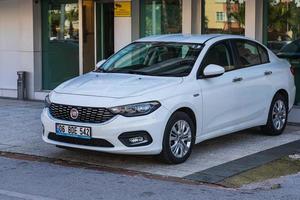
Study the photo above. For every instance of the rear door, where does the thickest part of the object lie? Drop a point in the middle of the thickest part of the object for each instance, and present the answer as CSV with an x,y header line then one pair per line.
x,y
256,72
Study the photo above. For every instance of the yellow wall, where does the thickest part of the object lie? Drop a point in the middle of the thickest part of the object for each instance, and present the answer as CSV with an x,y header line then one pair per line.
x,y
211,8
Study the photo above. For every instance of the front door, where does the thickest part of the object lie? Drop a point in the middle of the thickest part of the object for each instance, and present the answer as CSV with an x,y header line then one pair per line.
x,y
60,42
221,94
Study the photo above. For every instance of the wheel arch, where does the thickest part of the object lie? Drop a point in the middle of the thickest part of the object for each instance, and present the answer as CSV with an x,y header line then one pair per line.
x,y
284,93
190,113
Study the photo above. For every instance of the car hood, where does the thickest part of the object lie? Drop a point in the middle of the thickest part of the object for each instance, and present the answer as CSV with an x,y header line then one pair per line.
x,y
115,85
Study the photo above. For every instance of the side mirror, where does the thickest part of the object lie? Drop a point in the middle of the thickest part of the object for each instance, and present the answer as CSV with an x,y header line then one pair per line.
x,y
99,64
213,70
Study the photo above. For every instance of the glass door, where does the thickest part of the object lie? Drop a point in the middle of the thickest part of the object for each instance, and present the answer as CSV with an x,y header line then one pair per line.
x,y
105,29
160,17
60,42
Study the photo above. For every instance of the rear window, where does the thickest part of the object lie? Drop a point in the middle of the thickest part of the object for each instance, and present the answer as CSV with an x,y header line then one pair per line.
x,y
251,53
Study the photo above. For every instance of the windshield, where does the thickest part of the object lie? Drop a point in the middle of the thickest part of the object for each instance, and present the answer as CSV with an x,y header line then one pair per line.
x,y
154,59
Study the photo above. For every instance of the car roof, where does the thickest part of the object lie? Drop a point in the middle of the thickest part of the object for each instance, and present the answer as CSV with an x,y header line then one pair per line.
x,y
185,38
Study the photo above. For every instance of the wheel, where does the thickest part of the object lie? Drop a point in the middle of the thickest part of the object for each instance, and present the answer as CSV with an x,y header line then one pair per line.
x,y
278,116
179,138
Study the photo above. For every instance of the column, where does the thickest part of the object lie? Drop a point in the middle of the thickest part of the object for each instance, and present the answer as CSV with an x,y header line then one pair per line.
x,y
254,19
187,16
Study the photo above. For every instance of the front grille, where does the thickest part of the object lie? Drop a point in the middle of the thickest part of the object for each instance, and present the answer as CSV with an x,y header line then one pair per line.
x,y
85,114
87,142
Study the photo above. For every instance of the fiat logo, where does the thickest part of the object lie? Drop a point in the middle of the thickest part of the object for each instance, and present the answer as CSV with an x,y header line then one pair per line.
x,y
74,113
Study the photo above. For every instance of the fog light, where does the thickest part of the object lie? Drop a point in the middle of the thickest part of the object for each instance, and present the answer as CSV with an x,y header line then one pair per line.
x,y
134,139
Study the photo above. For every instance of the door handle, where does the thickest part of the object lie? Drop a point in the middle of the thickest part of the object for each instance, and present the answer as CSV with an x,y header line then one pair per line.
x,y
237,79
268,73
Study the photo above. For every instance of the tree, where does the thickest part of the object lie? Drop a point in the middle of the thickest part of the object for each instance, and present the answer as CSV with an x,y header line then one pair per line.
x,y
238,15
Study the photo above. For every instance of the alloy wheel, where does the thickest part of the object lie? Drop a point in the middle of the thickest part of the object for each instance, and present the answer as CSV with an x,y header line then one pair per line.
x,y
180,138
279,114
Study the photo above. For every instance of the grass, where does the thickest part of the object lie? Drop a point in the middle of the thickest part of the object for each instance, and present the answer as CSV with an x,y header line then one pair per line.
x,y
274,169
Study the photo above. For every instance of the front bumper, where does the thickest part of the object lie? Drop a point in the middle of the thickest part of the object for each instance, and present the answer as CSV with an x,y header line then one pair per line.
x,y
154,124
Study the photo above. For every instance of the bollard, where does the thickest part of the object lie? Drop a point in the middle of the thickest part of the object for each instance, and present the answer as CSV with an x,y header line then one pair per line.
x,y
21,83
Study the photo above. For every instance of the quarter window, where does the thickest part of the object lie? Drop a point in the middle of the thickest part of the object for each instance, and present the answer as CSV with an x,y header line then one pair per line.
x,y
263,54
219,55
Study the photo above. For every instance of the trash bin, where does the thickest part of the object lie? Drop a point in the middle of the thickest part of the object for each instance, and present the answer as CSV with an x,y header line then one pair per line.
x,y
21,85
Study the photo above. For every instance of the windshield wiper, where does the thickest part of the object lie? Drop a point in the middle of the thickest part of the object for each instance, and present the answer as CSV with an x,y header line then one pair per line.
x,y
138,72
101,70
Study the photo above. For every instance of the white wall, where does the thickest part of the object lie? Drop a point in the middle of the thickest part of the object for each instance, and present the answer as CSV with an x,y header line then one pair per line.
x,y
16,45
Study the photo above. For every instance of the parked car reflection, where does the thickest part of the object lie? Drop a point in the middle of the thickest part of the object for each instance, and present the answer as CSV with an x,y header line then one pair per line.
x,y
291,52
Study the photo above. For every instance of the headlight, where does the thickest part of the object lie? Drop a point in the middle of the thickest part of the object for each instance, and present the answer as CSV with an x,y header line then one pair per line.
x,y
137,109
47,101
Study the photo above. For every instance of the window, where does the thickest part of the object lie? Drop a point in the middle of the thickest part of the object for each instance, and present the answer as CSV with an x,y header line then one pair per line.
x,y
283,24
264,56
220,16
248,53
219,55
220,1
224,16
161,17
154,59
63,22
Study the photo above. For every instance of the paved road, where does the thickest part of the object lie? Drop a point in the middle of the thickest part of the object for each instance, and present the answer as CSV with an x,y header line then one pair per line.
x,y
32,180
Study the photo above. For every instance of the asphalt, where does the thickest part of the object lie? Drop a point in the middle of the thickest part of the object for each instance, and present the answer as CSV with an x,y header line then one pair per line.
x,y
32,180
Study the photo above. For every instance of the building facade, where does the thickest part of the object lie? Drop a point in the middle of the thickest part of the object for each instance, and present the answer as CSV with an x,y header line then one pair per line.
x,y
55,40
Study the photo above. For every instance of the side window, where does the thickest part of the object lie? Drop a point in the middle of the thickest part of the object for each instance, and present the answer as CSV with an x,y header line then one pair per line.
x,y
264,56
248,53
219,55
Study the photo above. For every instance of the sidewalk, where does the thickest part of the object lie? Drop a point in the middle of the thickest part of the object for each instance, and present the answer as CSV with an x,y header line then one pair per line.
x,y
294,116
21,133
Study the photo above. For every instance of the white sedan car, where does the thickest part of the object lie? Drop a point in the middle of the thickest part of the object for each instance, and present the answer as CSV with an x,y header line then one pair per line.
x,y
161,95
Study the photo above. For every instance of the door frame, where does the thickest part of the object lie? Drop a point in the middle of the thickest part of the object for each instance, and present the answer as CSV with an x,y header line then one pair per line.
x,y
99,27
80,4
95,33
80,10
43,32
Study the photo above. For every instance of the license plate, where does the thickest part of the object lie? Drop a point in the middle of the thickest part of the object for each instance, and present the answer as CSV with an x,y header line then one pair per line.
x,y
74,131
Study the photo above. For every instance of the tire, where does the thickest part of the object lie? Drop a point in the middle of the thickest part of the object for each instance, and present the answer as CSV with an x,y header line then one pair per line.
x,y
278,116
182,140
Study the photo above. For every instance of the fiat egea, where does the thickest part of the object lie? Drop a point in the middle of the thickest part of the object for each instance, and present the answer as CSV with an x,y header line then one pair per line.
x,y
161,95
